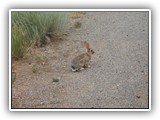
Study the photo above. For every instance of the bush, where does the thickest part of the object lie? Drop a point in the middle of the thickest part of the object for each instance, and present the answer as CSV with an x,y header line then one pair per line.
x,y
31,28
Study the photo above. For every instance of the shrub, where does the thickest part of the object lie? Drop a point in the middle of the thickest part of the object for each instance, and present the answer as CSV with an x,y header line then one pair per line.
x,y
30,28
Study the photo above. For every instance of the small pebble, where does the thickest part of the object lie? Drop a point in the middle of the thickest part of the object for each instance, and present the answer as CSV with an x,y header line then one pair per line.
x,y
56,79
138,96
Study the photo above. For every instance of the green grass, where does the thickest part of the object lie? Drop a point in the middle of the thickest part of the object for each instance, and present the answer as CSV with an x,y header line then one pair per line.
x,y
18,43
30,28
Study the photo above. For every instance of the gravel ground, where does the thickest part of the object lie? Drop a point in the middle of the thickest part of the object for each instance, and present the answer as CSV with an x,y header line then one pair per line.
x,y
118,77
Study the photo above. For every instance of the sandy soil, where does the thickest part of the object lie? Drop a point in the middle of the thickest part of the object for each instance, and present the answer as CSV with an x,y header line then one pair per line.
x,y
118,77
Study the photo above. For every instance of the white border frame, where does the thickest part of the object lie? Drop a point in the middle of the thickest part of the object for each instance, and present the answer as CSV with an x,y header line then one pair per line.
x,y
93,10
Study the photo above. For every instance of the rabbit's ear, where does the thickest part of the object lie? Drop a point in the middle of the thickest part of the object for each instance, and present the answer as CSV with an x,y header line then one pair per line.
x,y
86,44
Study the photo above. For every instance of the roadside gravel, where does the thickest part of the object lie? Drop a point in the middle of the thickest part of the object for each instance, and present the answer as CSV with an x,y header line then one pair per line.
x,y
118,77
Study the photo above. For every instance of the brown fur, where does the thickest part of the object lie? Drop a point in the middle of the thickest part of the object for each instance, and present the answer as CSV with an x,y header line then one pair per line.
x,y
83,59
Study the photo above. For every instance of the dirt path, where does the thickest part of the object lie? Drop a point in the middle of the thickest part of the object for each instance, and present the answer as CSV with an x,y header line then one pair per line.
x,y
118,77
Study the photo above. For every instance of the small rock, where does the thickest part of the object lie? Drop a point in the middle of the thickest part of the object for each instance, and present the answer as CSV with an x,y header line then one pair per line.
x,y
56,79
41,103
138,96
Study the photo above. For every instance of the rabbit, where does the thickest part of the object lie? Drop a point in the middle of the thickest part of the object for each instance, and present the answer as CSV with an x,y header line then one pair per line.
x,y
82,61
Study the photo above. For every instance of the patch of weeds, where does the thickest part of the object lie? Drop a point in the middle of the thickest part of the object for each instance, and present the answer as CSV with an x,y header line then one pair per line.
x,y
77,24
34,68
